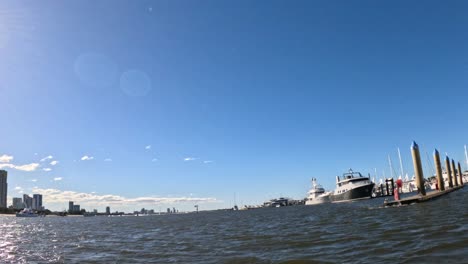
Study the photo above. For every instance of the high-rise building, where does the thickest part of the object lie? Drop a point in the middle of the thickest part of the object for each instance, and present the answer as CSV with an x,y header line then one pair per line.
x,y
3,188
18,203
37,202
27,200
76,208
70,206
107,210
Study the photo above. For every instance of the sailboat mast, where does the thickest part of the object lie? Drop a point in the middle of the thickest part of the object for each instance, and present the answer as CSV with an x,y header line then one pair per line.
x,y
401,163
390,164
466,158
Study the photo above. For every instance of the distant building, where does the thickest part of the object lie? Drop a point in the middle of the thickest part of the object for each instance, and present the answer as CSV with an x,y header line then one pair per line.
x,y
37,202
168,210
3,188
27,200
108,210
18,203
76,208
70,206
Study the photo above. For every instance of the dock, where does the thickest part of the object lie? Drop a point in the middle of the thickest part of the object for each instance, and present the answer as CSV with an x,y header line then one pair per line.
x,y
421,198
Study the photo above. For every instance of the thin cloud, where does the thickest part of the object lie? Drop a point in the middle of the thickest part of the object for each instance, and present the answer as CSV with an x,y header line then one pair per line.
x,y
47,158
19,189
108,159
148,147
85,157
46,169
58,178
34,180
6,158
190,159
54,162
208,161
154,160
26,167
59,196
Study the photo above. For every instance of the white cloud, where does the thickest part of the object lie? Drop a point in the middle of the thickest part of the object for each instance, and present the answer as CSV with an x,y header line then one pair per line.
x,y
58,178
19,189
59,196
34,180
54,162
85,157
46,169
108,159
47,158
190,159
148,147
207,161
26,167
154,160
6,158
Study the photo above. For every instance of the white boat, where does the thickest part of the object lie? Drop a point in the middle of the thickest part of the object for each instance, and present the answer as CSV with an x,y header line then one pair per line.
x,y
317,194
26,213
352,186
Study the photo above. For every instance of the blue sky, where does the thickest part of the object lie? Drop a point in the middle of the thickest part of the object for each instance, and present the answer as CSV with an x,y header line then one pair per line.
x,y
259,95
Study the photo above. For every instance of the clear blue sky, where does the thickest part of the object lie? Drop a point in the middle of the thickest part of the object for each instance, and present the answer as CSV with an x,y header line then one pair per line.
x,y
258,96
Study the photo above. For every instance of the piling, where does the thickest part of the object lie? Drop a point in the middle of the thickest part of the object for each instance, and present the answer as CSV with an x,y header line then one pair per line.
x,y
449,171
460,174
454,173
438,167
418,172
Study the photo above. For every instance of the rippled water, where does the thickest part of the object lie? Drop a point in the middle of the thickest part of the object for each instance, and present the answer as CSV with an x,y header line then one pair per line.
x,y
355,232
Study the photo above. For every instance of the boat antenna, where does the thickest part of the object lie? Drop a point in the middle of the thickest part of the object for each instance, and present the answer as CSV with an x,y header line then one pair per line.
x,y
401,163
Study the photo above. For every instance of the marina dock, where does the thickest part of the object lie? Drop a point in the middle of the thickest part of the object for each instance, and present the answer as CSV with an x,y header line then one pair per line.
x,y
419,198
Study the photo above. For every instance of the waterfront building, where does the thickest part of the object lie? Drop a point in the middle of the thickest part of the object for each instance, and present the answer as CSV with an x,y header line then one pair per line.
x,y
18,203
108,210
27,200
3,188
76,208
37,202
70,206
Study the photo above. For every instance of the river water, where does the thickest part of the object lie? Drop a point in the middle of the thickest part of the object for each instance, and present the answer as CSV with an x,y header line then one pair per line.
x,y
357,232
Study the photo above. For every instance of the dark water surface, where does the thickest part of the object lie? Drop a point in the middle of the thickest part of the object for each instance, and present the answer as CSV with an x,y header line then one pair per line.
x,y
358,232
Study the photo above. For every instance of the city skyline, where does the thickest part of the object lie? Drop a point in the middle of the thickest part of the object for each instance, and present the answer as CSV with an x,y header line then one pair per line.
x,y
160,105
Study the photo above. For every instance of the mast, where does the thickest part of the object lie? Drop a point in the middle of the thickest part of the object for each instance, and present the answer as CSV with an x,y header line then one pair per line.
x,y
466,158
401,163
390,164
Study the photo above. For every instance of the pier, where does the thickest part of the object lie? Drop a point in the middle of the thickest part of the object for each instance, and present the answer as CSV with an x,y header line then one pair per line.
x,y
422,196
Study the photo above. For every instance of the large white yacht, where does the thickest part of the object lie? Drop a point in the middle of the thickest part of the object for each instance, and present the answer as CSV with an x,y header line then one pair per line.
x,y
352,186
317,194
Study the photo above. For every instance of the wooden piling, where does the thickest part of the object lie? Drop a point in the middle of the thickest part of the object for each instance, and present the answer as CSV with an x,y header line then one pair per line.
x,y
454,173
449,171
438,167
418,172
460,174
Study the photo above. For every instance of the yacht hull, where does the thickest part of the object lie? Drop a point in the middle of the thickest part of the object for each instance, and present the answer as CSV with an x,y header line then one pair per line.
x,y
361,192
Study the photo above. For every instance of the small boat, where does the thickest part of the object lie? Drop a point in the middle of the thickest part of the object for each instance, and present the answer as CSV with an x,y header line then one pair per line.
x,y
27,213
317,194
352,186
